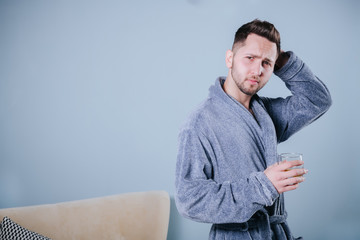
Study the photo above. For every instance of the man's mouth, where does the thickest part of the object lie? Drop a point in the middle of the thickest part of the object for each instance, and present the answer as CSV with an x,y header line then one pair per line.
x,y
253,81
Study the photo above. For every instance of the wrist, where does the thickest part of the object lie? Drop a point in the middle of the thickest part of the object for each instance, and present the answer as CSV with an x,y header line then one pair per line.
x,y
281,60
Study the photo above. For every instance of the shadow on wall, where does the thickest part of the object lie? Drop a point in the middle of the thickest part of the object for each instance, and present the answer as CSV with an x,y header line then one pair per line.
x,y
175,223
182,228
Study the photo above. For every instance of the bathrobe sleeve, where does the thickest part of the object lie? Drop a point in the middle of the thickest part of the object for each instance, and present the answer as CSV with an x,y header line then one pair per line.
x,y
309,100
200,198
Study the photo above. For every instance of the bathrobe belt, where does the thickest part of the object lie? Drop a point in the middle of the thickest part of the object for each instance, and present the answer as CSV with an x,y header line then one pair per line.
x,y
258,220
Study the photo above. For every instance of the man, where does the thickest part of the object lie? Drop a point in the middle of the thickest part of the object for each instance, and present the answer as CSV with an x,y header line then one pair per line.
x,y
227,172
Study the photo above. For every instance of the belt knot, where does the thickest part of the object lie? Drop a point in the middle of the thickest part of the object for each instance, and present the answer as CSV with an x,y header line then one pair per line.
x,y
255,221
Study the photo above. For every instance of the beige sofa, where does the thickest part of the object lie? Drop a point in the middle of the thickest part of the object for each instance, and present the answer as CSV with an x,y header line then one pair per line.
x,y
129,216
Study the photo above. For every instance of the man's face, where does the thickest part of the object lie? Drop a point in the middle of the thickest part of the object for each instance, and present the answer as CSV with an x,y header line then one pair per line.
x,y
252,63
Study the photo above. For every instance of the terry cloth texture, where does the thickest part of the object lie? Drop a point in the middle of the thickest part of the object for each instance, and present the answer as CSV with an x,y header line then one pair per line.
x,y
223,151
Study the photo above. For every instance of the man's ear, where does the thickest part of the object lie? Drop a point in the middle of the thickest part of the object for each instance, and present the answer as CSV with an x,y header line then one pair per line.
x,y
229,59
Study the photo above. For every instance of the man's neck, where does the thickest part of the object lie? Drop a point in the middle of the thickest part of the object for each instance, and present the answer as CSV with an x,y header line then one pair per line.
x,y
232,89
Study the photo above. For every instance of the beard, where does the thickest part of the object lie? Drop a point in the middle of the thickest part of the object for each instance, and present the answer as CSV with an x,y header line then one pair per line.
x,y
247,90
250,90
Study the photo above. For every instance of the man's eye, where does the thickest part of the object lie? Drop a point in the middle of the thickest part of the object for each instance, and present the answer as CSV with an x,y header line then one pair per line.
x,y
250,58
266,63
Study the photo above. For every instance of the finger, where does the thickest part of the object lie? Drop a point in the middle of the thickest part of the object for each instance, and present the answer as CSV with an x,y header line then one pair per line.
x,y
284,165
288,188
281,165
296,172
296,163
293,181
274,166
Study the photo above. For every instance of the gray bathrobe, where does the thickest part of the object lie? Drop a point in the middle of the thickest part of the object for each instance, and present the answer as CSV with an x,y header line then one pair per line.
x,y
224,149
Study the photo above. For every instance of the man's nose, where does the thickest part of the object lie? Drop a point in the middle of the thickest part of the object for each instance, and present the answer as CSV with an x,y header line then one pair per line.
x,y
257,68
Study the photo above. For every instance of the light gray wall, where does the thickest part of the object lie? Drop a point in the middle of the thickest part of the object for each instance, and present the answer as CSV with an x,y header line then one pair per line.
x,y
92,94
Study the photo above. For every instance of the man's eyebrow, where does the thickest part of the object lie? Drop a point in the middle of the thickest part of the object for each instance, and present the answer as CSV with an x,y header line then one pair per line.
x,y
269,60
257,56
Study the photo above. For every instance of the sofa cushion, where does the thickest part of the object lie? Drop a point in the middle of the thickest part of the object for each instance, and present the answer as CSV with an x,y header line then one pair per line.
x,y
10,230
130,216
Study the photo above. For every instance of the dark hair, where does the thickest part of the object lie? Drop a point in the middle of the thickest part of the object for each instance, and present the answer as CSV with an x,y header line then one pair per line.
x,y
261,28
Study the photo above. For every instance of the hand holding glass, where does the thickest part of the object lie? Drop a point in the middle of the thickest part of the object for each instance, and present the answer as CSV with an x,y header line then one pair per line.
x,y
287,173
292,157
